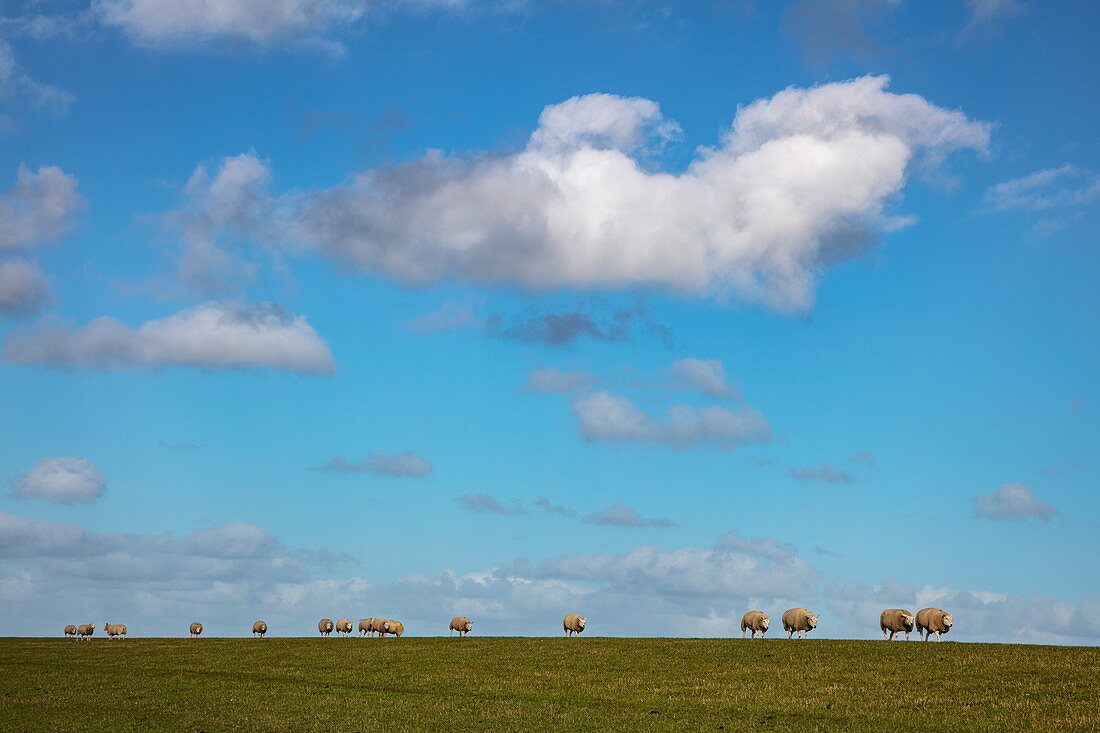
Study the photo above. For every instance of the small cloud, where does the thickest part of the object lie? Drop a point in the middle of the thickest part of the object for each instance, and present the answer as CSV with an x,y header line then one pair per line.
x,y
485,504
61,480
400,465
606,418
1062,467
825,473
544,504
564,329
1012,501
324,558
19,91
620,515
706,375
867,458
451,316
556,381
829,29
1065,187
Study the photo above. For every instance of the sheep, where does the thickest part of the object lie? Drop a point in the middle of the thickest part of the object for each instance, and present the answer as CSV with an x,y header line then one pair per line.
x,y
378,626
196,629
343,626
755,621
933,621
462,625
389,626
84,631
115,631
70,630
325,626
259,629
894,621
574,624
799,620
365,627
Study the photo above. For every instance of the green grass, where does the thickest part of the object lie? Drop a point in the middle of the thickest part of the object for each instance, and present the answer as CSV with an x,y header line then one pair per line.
x,y
543,684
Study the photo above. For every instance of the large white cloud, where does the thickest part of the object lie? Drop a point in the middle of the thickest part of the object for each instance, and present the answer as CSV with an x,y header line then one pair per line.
x,y
41,207
798,183
211,335
62,480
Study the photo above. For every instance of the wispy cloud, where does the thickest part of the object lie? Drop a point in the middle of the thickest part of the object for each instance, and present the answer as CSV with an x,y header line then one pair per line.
x,y
987,15
620,515
400,465
547,506
824,472
486,504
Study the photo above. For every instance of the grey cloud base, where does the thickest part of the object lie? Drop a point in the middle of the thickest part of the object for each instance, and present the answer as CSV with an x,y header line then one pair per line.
x,y
210,335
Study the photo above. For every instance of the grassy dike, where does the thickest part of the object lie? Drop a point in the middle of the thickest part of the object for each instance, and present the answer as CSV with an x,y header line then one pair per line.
x,y
543,684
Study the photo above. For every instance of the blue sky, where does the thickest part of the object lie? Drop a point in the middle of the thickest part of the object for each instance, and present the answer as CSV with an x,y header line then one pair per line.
x,y
471,255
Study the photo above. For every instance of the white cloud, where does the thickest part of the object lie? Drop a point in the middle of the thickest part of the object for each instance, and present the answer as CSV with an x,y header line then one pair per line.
x,y
41,207
211,335
606,418
182,22
980,615
730,569
261,22
1066,186
706,375
23,288
620,515
1012,501
400,465
231,203
229,575
798,183
62,480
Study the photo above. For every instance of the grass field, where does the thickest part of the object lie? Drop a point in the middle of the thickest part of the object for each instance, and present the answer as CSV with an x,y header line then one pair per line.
x,y
543,684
